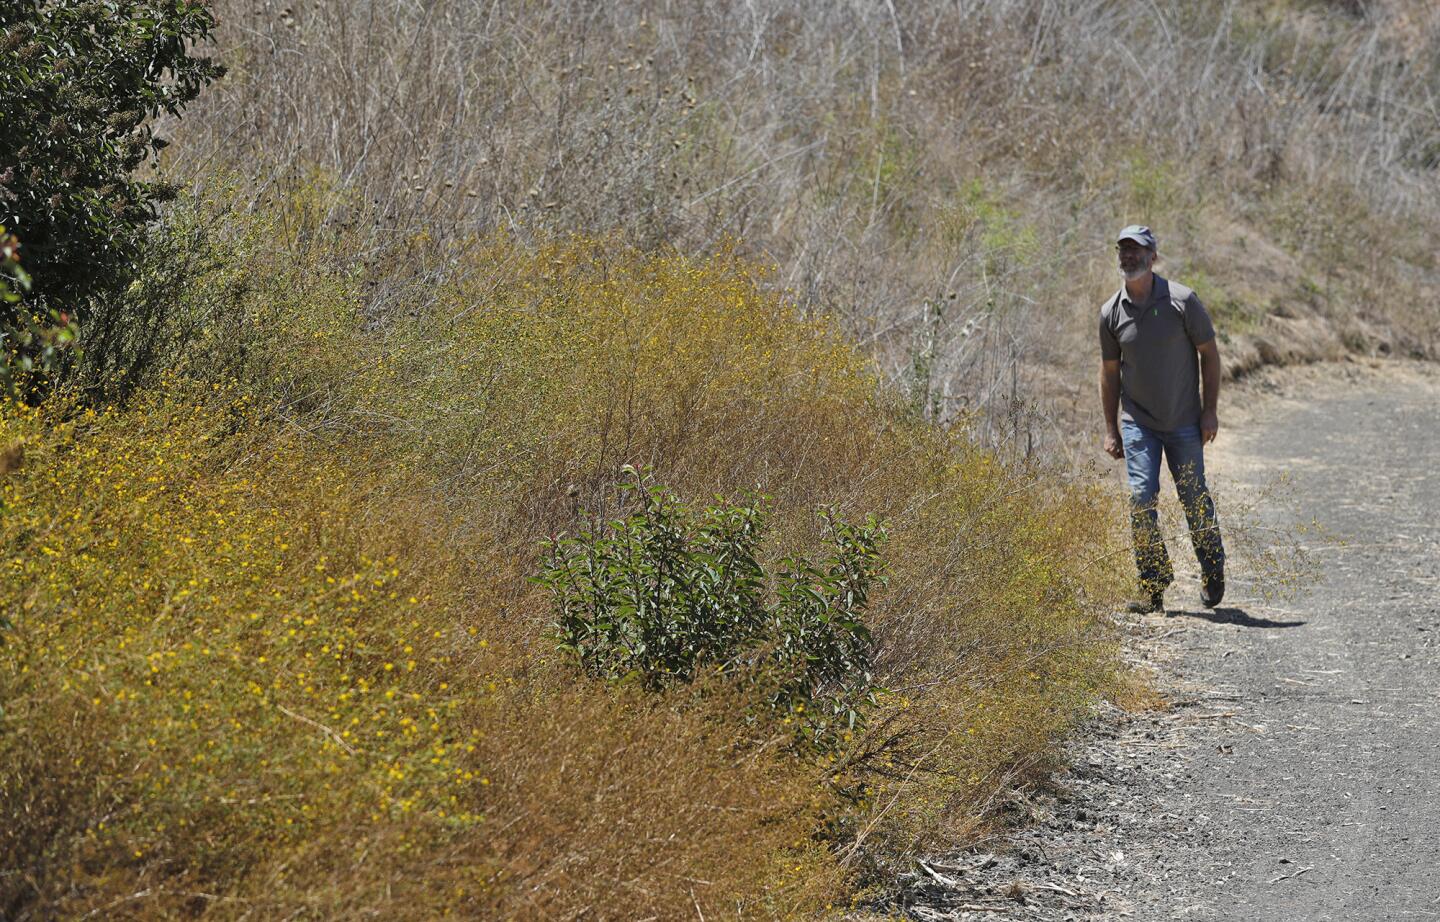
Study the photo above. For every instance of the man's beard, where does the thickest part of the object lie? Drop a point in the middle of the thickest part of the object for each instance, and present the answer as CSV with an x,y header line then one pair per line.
x,y
1137,272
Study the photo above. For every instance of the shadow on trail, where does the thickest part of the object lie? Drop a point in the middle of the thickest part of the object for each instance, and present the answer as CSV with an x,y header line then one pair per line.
x,y
1235,616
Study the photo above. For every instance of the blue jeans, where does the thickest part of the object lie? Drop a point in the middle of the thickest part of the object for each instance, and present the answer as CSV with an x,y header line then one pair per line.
x,y
1184,453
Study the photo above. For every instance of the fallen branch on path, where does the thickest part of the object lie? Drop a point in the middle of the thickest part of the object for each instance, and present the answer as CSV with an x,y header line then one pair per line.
x,y
1288,876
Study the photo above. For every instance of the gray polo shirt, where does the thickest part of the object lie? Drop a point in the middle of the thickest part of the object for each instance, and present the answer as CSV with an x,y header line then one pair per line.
x,y
1155,343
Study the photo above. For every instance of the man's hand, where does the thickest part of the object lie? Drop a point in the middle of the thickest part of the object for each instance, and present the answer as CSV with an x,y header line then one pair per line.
x,y
1110,404
1113,446
1209,389
1209,425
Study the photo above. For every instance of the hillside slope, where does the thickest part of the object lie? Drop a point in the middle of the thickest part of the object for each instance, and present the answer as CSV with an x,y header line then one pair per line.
x,y
944,179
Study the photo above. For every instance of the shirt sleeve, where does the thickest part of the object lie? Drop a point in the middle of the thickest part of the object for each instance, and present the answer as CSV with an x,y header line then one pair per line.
x,y
1197,321
1109,346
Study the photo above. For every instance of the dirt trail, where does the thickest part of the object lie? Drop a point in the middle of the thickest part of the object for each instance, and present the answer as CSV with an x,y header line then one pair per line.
x,y
1296,774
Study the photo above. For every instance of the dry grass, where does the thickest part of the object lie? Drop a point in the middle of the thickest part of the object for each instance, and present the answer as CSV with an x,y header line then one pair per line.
x,y
941,178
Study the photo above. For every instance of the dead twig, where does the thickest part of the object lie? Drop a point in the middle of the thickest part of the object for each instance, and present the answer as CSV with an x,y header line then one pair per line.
x,y
319,726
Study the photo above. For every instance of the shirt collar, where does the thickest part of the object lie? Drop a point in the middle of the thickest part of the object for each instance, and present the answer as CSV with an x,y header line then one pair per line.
x,y
1155,288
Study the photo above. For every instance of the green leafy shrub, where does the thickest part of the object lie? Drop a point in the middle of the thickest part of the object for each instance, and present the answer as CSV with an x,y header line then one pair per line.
x,y
665,593
83,81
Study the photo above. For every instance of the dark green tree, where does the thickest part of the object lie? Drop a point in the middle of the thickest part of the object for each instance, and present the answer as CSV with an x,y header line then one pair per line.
x,y
80,86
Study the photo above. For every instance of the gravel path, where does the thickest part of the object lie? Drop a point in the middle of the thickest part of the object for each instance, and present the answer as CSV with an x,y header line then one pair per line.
x,y
1295,774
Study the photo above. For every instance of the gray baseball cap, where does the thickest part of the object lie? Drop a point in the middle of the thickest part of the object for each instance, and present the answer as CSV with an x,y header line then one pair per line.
x,y
1138,233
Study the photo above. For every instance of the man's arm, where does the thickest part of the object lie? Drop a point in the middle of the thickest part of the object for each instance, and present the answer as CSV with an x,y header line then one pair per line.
x,y
1110,403
1209,389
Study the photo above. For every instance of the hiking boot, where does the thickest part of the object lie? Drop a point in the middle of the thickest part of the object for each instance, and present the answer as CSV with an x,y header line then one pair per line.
x,y
1212,590
1147,604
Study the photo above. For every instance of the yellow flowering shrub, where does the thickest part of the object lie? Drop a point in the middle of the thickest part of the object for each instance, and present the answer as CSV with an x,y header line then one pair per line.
x,y
276,649
179,618
216,673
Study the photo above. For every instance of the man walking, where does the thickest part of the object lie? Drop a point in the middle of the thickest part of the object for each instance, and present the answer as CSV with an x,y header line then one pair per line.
x,y
1157,348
